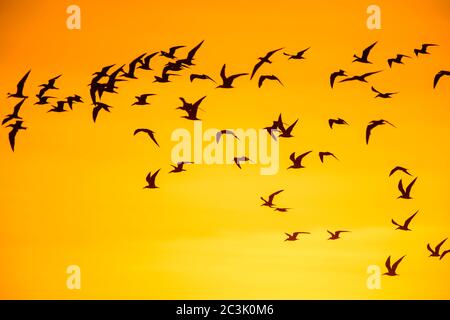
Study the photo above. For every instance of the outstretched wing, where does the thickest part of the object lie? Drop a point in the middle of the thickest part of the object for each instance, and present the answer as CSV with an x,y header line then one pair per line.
x,y
408,221
366,51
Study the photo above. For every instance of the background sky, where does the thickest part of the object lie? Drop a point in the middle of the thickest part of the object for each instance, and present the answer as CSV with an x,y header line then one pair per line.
x,y
72,192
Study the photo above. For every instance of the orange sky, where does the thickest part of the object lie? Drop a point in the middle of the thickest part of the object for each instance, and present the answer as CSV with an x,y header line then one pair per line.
x,y
72,191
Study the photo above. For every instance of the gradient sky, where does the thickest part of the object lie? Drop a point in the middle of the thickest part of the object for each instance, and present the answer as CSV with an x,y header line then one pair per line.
x,y
72,192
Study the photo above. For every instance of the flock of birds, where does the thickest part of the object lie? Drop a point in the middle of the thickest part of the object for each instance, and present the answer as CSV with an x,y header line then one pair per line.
x,y
106,81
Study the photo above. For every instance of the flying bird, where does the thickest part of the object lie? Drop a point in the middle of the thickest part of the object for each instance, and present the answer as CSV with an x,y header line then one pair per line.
x,y
272,129
340,121
164,77
99,106
59,107
335,235
438,76
437,249
373,124
397,59
405,225
398,168
50,84
365,54
142,99
43,100
171,53
282,209
285,133
326,153
293,237
190,57
334,75
405,194
194,76
297,56
72,99
179,167
15,114
132,67
262,60
423,49
149,132
151,180
238,160
361,78
20,85
391,270
12,134
225,131
227,82
267,77
269,202
386,95
145,63
297,161
191,109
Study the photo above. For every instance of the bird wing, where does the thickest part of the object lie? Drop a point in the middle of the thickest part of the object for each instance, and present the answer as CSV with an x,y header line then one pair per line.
x,y
222,73
274,194
438,247
366,51
270,53
95,112
12,138
436,78
408,221
218,135
321,156
400,187
193,51
197,103
291,127
173,49
234,76
429,248
443,254
395,265
369,74
21,83
139,130
393,221
369,130
331,122
388,263
261,80
300,157
331,233
17,107
408,188
152,136
292,157
256,67
393,171
153,177
375,90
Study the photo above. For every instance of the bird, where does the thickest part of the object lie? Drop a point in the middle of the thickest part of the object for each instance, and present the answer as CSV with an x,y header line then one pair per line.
x,y
150,133
173,66
225,131
43,100
437,249
20,85
132,67
110,85
361,78
238,160
405,225
365,54
171,53
297,161
386,95
12,134
227,82
405,194
59,107
151,180
335,235
164,77
99,106
272,129
267,77
282,209
145,63
192,109
71,99
326,153
15,114
332,122
269,202
179,167
190,56
297,56
262,60
285,133
398,168
293,236
334,75
142,99
438,76
423,49
50,84
391,270
373,124
397,59
194,76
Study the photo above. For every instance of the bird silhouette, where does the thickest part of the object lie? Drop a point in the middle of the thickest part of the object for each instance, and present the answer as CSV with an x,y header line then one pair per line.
x,y
190,56
297,161
238,160
227,82
373,124
285,133
132,67
50,84
99,106
386,95
326,153
15,114
423,49
149,132
335,235
282,209
164,77
191,109
142,99
340,121
269,202
171,53
392,270
262,60
151,180
20,86
405,194
361,78
405,225
110,85
43,100
59,107
173,66
267,77
334,75
225,131
145,62
297,56
14,130
179,167
293,237
398,168
365,54
439,75
437,249
194,76
272,129
397,59
72,99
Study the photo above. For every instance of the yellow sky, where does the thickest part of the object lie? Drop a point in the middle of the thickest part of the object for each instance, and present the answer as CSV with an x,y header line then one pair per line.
x,y
72,192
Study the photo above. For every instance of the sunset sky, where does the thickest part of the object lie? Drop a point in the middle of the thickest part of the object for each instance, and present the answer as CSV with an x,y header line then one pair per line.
x,y
72,192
